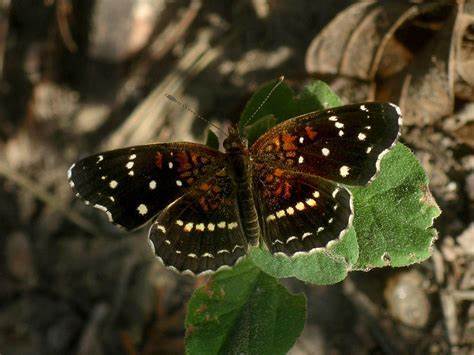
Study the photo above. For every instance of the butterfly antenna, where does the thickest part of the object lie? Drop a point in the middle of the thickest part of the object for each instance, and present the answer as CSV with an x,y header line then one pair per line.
x,y
280,80
187,108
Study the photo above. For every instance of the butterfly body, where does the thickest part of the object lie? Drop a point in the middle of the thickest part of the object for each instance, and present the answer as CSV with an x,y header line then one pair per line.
x,y
285,192
240,169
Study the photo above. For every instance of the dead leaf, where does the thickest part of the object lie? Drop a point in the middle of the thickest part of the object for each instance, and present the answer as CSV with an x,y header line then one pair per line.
x,y
427,93
351,89
354,43
415,69
326,51
465,50
465,134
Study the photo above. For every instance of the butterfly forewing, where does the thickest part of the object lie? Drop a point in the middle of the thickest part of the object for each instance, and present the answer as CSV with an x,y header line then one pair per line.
x,y
133,184
298,212
201,231
342,144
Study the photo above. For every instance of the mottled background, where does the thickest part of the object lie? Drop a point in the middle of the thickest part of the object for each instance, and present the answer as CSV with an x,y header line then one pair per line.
x,y
80,76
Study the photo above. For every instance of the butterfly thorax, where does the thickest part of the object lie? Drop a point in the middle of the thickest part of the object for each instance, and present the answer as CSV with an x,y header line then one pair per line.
x,y
236,148
239,168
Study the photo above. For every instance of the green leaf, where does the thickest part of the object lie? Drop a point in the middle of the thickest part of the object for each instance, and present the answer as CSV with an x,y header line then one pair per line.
x,y
243,311
283,103
317,96
212,141
322,267
278,104
259,127
394,214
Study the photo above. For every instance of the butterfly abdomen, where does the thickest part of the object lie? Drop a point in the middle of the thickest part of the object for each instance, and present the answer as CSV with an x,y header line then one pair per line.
x,y
239,165
248,213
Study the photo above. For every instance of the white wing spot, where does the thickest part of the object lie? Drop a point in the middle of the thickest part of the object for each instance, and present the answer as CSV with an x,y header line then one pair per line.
x,y
103,177
179,222
188,227
109,216
300,160
341,133
335,207
306,235
271,217
71,183
99,159
277,241
192,255
344,171
222,251
111,198
333,118
369,149
339,125
167,242
113,184
300,206
130,165
290,211
232,225
368,127
100,207
221,224
161,228
325,152
361,136
178,251
331,220
69,171
316,194
301,140
281,213
133,156
237,246
87,203
320,229
152,185
207,255
335,192
170,165
200,227
131,173
290,239
396,109
211,227
310,202
179,183
142,209
364,108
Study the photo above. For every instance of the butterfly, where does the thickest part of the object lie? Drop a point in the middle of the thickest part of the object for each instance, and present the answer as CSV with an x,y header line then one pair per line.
x,y
287,191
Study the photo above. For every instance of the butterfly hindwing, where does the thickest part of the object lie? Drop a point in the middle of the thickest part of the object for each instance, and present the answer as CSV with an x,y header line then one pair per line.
x,y
133,184
298,212
342,144
201,231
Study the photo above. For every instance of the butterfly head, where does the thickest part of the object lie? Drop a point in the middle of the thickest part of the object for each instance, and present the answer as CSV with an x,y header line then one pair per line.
x,y
234,141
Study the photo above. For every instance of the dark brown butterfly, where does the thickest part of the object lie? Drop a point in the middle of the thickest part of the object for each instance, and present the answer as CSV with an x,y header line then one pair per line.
x,y
286,190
